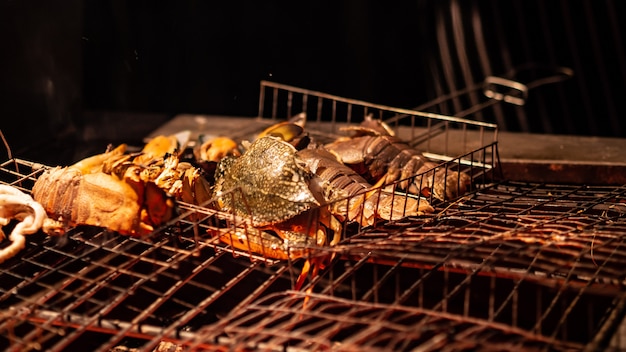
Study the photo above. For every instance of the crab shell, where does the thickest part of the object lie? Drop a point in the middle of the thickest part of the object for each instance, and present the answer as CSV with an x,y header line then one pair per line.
x,y
268,183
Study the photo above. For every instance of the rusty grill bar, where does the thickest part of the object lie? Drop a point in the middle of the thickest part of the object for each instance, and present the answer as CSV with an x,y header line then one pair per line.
x,y
334,323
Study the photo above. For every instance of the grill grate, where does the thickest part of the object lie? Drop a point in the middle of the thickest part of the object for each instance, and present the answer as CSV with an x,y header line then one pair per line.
x,y
509,265
340,324
540,257
569,233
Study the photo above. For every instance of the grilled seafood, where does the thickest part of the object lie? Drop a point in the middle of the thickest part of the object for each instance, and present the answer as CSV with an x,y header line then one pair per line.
x,y
127,206
291,245
115,190
209,152
160,159
382,158
99,162
181,180
349,195
270,186
16,205
282,188
291,131
216,148
354,199
159,146
279,186
267,183
158,162
130,193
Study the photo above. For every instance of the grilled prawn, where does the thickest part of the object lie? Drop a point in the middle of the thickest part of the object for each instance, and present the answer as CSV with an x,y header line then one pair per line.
x,y
99,199
351,197
382,158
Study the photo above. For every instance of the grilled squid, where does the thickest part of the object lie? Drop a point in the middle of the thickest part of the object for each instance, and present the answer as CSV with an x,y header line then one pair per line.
x,y
17,205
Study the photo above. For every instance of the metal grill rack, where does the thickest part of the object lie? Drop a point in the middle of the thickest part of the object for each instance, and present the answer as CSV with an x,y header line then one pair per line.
x,y
344,325
513,265
508,265
460,145
526,265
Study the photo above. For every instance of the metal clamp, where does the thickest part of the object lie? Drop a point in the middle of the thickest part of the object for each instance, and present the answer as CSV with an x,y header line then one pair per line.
x,y
503,89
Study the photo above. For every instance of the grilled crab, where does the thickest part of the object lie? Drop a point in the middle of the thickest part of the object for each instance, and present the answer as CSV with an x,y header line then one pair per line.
x,y
268,183
270,186
284,183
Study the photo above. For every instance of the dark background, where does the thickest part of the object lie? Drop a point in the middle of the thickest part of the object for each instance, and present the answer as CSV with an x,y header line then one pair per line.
x,y
77,75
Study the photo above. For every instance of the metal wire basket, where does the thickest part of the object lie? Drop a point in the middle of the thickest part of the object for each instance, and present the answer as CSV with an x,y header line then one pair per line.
x,y
437,135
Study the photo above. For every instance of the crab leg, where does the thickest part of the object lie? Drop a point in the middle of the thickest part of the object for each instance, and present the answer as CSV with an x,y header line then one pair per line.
x,y
256,241
291,245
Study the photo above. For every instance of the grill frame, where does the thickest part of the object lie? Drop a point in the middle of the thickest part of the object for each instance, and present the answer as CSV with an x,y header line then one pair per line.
x,y
37,301
181,286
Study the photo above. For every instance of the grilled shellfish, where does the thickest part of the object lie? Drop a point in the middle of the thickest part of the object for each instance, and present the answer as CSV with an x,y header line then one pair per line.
x,y
268,183
383,158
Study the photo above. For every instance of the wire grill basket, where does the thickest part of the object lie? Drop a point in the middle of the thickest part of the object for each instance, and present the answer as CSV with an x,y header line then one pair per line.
x,y
437,135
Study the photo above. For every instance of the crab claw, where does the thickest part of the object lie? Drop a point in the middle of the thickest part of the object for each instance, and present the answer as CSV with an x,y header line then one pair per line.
x,y
286,131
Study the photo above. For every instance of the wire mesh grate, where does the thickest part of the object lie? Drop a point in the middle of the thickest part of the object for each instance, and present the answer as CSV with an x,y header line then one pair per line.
x,y
344,325
93,281
509,265
558,232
